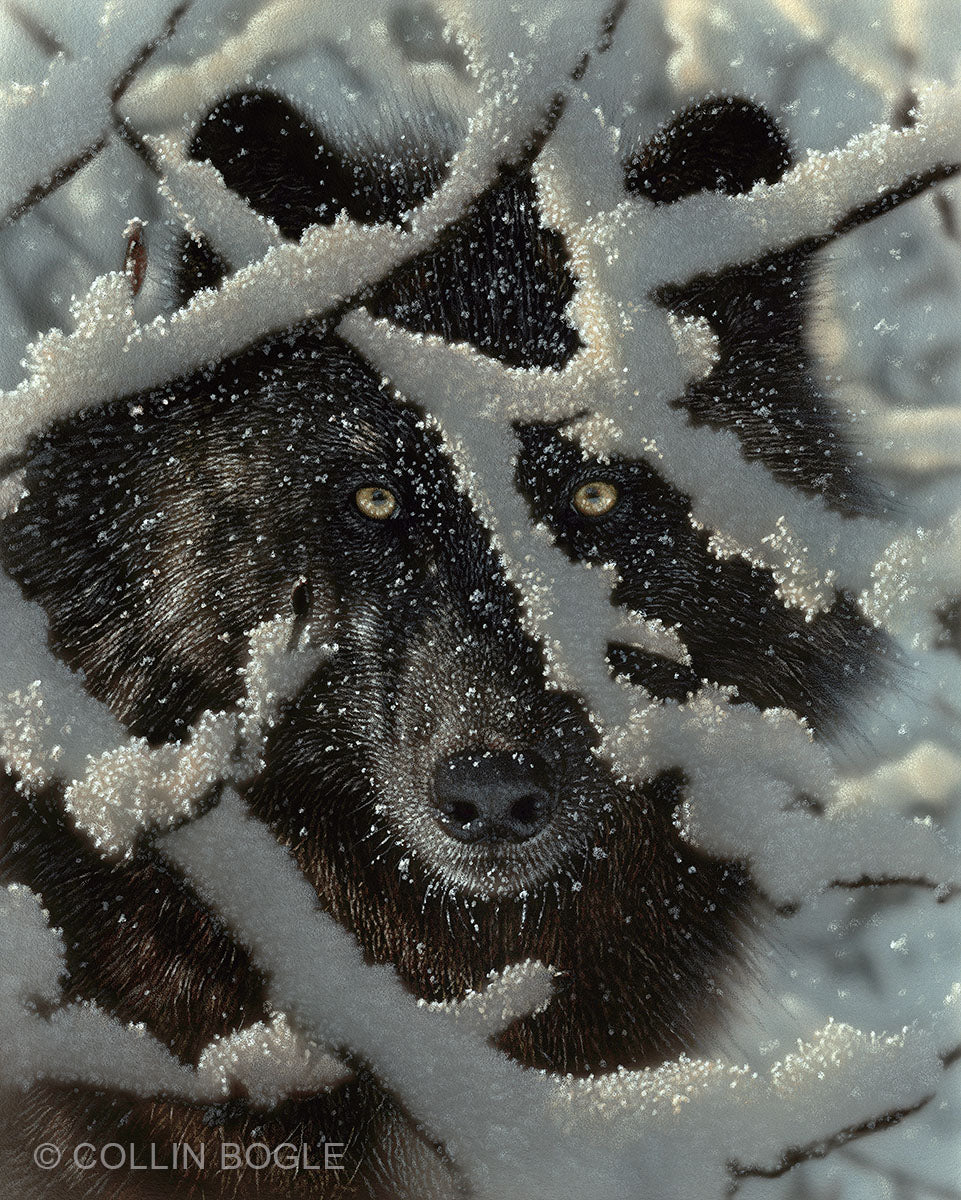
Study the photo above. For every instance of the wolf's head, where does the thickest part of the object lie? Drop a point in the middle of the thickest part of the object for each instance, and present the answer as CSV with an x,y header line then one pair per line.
x,y
444,797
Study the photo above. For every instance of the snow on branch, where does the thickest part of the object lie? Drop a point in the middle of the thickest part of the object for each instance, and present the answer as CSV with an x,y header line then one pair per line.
x,y
810,202
110,353
628,372
268,1060
727,751
608,1134
514,1132
276,33
241,235
42,128
731,752
130,787
624,257
49,723
473,401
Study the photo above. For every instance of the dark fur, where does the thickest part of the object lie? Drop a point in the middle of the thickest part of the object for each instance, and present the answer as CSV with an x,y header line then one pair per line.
x,y
159,530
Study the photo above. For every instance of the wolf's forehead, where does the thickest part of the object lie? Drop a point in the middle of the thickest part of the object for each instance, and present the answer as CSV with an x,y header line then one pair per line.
x,y
376,430
356,433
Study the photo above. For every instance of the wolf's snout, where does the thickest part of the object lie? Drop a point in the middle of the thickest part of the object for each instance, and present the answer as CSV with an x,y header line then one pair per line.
x,y
489,796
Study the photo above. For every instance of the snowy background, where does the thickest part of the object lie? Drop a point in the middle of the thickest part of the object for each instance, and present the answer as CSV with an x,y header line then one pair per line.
x,y
889,328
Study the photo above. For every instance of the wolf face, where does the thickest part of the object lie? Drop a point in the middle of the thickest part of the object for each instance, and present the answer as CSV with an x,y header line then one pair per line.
x,y
445,801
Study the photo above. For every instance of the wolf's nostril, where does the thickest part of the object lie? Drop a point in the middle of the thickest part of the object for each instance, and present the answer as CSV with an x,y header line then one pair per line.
x,y
525,810
462,811
486,795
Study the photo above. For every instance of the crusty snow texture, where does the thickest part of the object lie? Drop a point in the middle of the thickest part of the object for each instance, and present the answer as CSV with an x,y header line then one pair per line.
x,y
494,75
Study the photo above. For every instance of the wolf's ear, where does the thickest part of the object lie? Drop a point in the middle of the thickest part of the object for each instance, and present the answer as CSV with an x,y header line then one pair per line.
x,y
276,160
725,145
286,169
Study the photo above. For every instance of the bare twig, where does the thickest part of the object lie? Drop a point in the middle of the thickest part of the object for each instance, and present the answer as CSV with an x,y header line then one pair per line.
x,y
823,1146
50,45
40,191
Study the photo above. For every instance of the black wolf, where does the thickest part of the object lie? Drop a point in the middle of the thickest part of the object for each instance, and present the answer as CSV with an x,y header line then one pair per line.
x,y
445,802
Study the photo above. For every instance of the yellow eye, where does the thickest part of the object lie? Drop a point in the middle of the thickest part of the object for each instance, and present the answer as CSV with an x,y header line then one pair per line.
x,y
595,499
376,502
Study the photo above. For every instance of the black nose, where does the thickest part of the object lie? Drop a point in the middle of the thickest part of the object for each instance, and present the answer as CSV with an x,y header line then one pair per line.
x,y
486,795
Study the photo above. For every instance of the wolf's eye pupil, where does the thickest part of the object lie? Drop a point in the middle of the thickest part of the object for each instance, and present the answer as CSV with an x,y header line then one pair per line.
x,y
595,499
376,502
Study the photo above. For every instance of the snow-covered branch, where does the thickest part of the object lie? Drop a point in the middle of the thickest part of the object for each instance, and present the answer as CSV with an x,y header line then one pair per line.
x,y
519,1132
48,131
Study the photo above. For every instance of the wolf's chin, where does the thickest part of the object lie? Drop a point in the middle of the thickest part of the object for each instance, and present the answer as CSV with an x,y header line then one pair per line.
x,y
483,871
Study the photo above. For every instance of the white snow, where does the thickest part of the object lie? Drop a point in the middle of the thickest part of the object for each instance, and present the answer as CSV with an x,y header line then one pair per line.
x,y
134,787
268,1059
44,126
46,716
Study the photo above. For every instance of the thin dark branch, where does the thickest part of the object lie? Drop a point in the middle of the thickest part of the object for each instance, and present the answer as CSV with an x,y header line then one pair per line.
x,y
887,201
950,1057
39,33
609,25
40,191
823,1146
949,221
890,199
136,143
146,52
905,115
945,892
